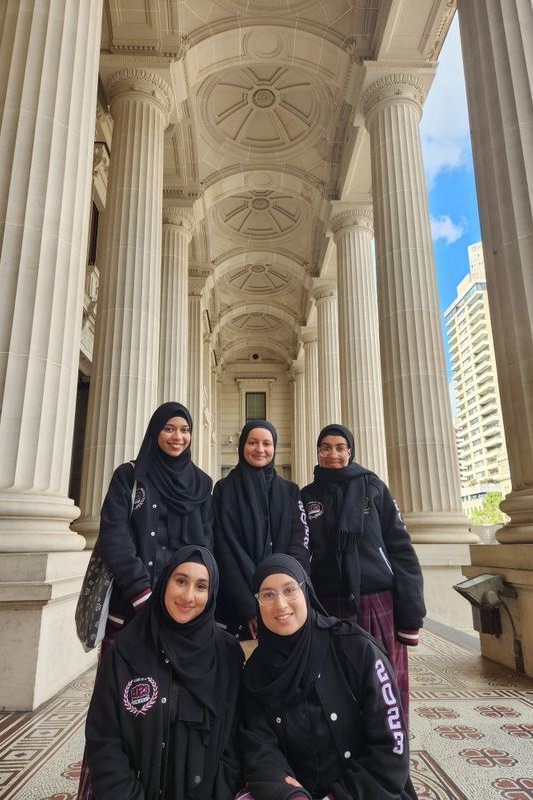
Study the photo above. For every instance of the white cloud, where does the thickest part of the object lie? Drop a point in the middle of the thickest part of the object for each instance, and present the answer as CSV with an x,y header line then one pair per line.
x,y
444,227
444,127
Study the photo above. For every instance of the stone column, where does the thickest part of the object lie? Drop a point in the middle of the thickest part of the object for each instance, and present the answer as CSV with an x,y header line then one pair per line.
x,y
360,368
421,448
301,437
312,415
500,102
49,56
497,45
196,366
46,145
178,227
329,397
124,378
207,423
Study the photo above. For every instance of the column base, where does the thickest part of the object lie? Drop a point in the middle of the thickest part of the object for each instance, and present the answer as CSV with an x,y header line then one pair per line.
x,y
437,527
31,523
88,527
40,652
519,507
514,563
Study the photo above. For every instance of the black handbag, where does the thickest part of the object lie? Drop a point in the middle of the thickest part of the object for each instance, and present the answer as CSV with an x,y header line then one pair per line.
x,y
92,608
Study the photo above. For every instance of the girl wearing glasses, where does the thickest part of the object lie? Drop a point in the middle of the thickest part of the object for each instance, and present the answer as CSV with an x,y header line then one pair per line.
x,y
321,710
162,719
364,567
257,512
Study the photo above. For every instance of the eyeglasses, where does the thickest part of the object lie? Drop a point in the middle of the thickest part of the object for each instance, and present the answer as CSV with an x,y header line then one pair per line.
x,y
267,597
327,449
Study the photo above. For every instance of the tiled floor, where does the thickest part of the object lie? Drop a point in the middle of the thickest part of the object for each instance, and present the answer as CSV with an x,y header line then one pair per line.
x,y
471,739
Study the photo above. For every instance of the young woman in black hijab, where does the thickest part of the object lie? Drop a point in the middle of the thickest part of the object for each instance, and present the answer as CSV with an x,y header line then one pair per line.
x,y
257,512
153,506
364,566
170,507
321,710
162,720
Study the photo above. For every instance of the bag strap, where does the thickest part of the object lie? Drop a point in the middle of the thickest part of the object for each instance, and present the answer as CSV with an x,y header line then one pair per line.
x,y
133,490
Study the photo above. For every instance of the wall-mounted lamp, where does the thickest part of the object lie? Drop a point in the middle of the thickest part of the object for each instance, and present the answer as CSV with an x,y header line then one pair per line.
x,y
483,593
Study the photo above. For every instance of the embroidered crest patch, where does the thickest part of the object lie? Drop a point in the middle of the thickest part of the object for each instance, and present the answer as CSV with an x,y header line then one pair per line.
x,y
140,497
140,695
314,510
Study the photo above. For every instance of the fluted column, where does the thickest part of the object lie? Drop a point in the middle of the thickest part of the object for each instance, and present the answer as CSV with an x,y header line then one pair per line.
x,y
497,45
49,62
312,415
196,365
178,226
360,368
302,439
207,423
124,378
329,397
421,448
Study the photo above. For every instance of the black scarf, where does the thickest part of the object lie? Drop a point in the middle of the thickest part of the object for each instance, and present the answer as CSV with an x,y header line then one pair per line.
x,y
345,490
182,485
284,669
259,498
199,660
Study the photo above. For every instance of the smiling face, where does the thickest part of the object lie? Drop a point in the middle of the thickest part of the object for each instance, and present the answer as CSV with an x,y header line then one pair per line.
x,y
283,617
187,591
333,452
175,436
258,449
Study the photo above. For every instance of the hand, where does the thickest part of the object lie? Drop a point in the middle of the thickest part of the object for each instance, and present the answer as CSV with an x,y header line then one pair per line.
x,y
293,782
252,627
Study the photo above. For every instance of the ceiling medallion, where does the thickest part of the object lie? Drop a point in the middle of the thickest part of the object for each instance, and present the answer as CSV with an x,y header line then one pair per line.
x,y
263,98
260,204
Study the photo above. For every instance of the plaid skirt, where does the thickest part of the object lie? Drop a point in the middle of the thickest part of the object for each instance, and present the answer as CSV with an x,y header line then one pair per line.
x,y
376,616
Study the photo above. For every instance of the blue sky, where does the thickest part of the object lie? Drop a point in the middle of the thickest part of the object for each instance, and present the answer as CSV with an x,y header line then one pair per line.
x,y
449,169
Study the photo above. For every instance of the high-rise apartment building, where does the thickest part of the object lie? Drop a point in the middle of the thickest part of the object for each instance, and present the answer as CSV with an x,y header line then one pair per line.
x,y
481,447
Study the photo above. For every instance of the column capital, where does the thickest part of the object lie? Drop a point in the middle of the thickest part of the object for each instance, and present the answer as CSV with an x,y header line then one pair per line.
x,y
144,83
182,218
296,370
347,219
394,87
196,285
321,291
308,335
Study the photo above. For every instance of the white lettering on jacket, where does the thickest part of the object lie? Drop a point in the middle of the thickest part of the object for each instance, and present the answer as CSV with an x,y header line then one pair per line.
x,y
394,718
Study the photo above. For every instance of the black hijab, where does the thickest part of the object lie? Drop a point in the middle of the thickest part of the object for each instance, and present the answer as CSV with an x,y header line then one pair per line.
x,y
258,498
345,490
182,485
284,669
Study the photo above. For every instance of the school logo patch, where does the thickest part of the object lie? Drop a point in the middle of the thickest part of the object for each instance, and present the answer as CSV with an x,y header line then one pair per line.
x,y
140,695
140,497
314,510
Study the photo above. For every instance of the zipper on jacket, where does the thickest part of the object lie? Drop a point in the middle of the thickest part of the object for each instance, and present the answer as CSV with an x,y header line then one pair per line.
x,y
386,560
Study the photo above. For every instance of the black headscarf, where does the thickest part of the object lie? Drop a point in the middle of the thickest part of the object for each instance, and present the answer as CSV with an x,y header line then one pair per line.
x,y
345,490
183,486
199,659
258,497
283,669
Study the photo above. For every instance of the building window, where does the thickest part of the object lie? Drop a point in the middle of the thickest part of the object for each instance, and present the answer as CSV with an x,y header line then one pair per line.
x,y
93,236
255,405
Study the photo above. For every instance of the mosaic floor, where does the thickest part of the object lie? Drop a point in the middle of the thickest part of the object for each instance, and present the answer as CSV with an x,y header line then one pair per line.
x,y
471,738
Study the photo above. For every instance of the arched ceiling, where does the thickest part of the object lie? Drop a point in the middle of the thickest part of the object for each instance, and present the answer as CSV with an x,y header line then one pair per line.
x,y
266,133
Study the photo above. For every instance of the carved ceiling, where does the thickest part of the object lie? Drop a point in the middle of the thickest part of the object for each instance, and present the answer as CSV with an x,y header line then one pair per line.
x,y
266,137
